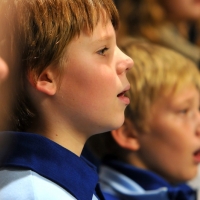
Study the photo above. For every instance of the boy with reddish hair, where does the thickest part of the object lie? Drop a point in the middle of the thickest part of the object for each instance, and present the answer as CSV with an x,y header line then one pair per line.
x,y
72,86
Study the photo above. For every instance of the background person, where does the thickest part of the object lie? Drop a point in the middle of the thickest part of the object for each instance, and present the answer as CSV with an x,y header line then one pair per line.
x,y
157,149
172,23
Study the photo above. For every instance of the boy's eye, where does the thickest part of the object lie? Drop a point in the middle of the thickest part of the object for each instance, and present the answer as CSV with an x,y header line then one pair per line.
x,y
102,51
184,111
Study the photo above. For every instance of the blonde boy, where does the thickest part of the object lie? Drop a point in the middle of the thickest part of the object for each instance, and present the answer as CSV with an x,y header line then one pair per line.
x,y
73,80
158,146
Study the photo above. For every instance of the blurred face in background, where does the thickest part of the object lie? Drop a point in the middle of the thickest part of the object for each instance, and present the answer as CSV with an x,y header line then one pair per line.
x,y
3,70
8,67
174,129
4,93
182,9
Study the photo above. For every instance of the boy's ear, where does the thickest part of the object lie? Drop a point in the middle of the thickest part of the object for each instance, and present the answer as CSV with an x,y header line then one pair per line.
x,y
46,82
127,136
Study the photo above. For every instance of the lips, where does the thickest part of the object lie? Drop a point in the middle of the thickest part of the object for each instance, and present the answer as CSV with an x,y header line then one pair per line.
x,y
122,96
197,156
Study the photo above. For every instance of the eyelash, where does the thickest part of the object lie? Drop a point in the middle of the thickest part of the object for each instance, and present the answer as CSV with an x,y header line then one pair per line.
x,y
102,51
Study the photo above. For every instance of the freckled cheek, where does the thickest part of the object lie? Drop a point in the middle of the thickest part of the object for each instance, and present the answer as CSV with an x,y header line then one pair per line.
x,y
101,83
92,81
95,91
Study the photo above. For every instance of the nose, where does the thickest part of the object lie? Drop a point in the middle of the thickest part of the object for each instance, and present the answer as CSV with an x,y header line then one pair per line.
x,y
124,63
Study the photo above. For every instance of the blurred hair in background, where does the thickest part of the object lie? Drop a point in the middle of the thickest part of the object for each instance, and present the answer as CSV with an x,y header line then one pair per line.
x,y
9,70
171,23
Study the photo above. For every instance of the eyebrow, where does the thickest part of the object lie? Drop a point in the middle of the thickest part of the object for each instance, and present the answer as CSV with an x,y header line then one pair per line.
x,y
103,38
186,100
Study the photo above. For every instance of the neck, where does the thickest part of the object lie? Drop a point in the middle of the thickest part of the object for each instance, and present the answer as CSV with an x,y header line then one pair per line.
x,y
62,135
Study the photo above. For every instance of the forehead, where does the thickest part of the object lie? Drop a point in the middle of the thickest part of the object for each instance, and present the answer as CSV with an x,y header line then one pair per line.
x,y
100,22
185,95
103,31
101,35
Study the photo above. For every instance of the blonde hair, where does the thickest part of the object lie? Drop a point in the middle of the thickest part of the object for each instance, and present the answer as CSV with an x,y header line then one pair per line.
x,y
157,71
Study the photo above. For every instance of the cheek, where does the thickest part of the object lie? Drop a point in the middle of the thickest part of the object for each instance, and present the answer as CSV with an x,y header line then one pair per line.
x,y
167,133
168,150
174,144
90,85
96,80
175,136
100,89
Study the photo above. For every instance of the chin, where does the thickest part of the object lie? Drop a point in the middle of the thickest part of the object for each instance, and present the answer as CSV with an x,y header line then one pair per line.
x,y
187,177
118,124
113,126
193,174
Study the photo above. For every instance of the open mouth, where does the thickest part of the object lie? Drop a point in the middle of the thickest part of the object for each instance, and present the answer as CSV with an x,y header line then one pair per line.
x,y
197,156
121,94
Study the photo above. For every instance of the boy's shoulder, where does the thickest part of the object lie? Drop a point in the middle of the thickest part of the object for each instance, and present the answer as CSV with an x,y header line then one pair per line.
x,y
53,162
125,181
27,184
117,185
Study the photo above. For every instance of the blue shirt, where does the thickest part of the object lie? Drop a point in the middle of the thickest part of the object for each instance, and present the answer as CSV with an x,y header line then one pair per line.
x,y
123,181
32,152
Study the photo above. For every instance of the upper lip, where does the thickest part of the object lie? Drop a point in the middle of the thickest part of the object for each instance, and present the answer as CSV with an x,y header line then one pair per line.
x,y
125,90
197,151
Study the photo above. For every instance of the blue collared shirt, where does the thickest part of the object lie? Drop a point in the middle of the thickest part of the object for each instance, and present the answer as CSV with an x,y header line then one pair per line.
x,y
47,161
123,181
